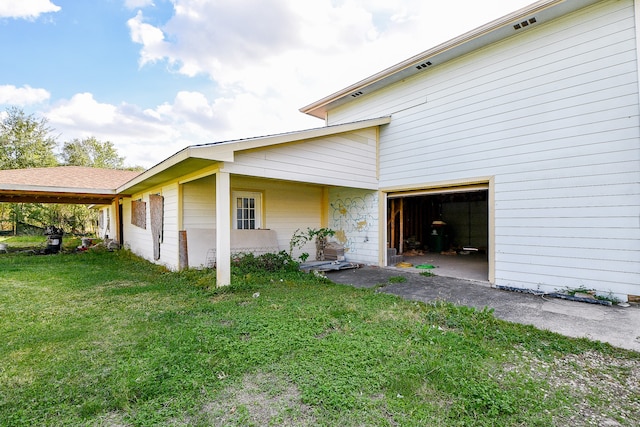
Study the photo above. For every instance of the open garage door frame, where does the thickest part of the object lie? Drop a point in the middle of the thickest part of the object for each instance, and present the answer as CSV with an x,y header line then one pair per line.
x,y
390,208
435,191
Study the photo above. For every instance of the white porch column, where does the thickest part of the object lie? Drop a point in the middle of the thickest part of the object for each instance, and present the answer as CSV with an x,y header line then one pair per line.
x,y
223,229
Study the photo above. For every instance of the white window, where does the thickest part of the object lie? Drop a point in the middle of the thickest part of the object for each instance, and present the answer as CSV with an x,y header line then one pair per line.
x,y
247,212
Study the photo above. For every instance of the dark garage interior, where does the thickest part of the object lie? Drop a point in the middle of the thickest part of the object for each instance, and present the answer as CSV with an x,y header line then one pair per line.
x,y
450,228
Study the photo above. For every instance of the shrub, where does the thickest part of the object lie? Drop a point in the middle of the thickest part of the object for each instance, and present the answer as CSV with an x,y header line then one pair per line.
x,y
300,238
249,263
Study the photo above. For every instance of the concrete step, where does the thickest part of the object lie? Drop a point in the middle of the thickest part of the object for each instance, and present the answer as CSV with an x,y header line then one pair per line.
x,y
392,256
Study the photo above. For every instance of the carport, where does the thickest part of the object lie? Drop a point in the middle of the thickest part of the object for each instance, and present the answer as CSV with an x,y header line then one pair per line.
x,y
65,185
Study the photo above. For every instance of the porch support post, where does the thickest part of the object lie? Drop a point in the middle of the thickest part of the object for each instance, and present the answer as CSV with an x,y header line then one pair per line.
x,y
223,229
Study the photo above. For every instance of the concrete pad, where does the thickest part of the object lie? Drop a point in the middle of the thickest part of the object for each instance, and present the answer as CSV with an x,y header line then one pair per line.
x,y
580,310
615,325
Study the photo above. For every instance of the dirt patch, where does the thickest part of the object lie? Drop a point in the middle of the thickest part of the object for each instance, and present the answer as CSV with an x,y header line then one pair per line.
x,y
259,399
111,419
609,388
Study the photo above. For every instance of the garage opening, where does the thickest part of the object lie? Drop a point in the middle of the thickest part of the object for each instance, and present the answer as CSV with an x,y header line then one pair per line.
x,y
446,228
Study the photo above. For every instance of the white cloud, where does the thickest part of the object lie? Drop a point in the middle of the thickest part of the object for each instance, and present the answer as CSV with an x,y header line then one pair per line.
x,y
22,96
300,51
267,58
148,136
138,135
26,9
150,37
138,4
241,42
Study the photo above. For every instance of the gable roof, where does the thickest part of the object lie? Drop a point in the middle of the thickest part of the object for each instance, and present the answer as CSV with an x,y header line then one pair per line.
x,y
499,29
62,184
196,157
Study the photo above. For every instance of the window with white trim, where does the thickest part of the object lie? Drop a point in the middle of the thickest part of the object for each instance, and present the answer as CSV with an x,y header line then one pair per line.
x,y
247,210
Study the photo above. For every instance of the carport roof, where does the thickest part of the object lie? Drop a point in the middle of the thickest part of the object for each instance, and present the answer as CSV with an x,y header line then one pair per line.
x,y
63,184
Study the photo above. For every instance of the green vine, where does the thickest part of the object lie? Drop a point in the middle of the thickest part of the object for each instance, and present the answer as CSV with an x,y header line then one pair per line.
x,y
301,238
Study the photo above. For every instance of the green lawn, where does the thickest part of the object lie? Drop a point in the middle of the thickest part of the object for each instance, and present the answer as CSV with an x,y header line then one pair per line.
x,y
106,339
20,242
37,242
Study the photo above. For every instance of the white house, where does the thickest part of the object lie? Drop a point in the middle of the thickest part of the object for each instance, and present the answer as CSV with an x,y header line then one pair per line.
x,y
523,136
258,191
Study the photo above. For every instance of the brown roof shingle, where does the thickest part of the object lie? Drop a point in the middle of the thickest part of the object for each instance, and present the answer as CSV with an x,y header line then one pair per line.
x,y
80,177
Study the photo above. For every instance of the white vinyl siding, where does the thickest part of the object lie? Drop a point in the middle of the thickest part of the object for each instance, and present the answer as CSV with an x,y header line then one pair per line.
x,y
199,203
552,114
139,240
347,159
107,227
353,214
288,206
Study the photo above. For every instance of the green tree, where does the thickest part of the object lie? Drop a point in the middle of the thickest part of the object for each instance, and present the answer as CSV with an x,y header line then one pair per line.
x,y
91,152
25,142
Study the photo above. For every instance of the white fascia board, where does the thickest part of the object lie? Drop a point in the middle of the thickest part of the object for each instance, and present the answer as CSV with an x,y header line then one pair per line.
x,y
52,189
225,151
164,165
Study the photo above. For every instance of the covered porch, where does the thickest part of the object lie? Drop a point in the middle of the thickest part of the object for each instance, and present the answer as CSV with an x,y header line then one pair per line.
x,y
253,194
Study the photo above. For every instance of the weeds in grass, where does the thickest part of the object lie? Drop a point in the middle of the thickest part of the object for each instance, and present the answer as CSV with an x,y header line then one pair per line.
x,y
582,291
109,339
246,263
397,279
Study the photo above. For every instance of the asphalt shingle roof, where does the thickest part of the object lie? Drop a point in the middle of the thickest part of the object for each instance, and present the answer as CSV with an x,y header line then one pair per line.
x,y
80,177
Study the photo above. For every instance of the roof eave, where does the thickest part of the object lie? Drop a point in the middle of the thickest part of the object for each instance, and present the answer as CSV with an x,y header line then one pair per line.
x,y
484,35
199,155
54,189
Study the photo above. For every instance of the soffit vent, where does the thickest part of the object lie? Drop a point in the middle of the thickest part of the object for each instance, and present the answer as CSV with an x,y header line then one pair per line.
x,y
423,65
525,23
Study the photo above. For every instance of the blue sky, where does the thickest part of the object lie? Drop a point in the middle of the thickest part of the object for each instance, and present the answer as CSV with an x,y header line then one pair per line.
x,y
153,76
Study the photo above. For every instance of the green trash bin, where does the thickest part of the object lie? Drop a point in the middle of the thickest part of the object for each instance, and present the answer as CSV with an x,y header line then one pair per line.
x,y
438,239
436,242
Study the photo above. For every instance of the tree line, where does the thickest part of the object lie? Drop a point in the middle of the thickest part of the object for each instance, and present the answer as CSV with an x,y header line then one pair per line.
x,y
27,141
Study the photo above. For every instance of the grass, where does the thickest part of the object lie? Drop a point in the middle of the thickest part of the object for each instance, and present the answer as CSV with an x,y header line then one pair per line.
x,y
37,242
105,338
23,241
